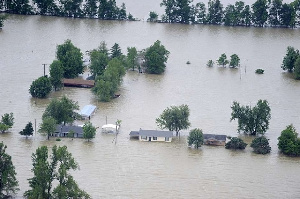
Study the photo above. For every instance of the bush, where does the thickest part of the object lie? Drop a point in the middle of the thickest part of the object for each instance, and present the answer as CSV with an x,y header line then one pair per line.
x,y
235,143
259,71
40,87
261,145
58,139
288,141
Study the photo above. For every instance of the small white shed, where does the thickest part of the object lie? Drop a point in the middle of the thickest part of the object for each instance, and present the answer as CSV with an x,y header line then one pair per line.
x,y
87,111
110,128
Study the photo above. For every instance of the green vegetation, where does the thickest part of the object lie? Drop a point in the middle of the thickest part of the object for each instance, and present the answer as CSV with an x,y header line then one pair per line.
x,y
288,141
48,126
235,143
89,131
254,120
261,145
210,63
56,74
28,130
223,60
259,71
153,17
234,61
156,57
53,170
8,182
131,57
175,118
40,87
2,19
7,122
195,138
290,58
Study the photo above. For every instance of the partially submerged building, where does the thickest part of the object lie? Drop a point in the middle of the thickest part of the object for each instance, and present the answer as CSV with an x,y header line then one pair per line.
x,y
213,139
152,135
87,111
68,131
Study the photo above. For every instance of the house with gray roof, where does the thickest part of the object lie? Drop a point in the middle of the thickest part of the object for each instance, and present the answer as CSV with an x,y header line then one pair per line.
x,y
213,139
152,135
68,131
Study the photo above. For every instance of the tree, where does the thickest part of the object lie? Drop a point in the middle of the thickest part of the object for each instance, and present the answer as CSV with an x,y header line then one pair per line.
x,y
2,19
89,131
71,59
210,63
246,16
230,18
19,7
7,122
234,61
122,12
90,8
222,60
260,13
56,74
261,145
290,58
215,12
288,141
175,118
40,87
254,120
131,57
48,126
297,69
99,61
274,12
153,16
8,182
156,57
28,130
182,11
195,138
287,15
169,10
235,143
63,110
53,170
201,13
115,51
46,7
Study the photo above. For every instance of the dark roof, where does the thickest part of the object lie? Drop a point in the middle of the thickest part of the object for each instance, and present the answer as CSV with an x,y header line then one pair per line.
x,y
79,82
217,137
75,129
155,133
134,133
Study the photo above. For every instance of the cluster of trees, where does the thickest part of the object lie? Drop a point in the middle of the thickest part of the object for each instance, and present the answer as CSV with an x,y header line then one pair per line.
x,y
2,19
7,121
102,9
291,61
260,13
48,171
234,61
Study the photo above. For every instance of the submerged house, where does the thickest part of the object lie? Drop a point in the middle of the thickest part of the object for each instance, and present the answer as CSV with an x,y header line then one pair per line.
x,y
68,131
152,135
216,140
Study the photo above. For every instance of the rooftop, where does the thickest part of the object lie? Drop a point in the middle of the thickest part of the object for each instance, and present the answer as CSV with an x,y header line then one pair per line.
x,y
214,136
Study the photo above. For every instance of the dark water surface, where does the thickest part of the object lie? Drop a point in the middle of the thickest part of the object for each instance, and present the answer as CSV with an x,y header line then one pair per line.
x,y
132,169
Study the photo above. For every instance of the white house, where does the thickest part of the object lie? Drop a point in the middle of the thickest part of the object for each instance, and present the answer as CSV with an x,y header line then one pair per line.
x,y
152,135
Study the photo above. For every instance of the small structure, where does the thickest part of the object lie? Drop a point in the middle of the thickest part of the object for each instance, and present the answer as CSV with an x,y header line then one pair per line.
x,y
110,128
68,131
152,135
79,83
216,140
87,111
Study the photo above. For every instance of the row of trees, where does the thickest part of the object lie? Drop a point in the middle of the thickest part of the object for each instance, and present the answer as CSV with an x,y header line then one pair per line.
x,y
48,171
291,61
234,61
262,12
102,9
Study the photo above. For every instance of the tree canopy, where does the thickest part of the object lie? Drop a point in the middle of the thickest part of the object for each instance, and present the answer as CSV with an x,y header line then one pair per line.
x,y
223,60
28,130
261,145
40,87
175,118
48,126
7,121
89,131
290,58
8,182
234,61
254,120
288,141
99,61
56,74
235,143
195,138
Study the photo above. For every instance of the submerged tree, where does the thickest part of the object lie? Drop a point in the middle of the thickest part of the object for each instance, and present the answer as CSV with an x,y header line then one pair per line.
x,y
261,145
195,138
48,126
89,131
175,118
288,141
215,12
223,60
40,87
56,74
290,58
260,12
235,143
234,61
7,121
28,130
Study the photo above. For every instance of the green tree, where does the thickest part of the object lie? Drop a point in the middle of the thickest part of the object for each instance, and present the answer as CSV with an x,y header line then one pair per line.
x,y
131,57
210,63
290,58
48,126
18,7
182,11
115,51
234,61
169,10
7,122
40,87
99,61
122,12
71,59
260,12
254,120
153,16
175,118
28,130
195,138
2,19
230,18
90,8
46,7
223,60
3,127
288,141
297,69
201,13
215,12
156,57
56,74
8,182
246,16
287,15
235,143
274,12
89,131
53,170
261,145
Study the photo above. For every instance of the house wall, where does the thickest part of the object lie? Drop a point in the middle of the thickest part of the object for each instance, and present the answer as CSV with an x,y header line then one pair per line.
x,y
159,139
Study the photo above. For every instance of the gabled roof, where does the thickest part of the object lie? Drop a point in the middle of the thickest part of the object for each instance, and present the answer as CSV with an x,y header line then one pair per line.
x,y
134,133
63,129
87,110
155,133
214,136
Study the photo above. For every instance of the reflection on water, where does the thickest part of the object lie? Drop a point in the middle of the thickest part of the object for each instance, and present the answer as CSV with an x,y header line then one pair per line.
x,y
132,169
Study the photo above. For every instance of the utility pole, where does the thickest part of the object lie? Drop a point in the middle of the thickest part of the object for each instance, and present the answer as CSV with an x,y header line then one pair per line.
x,y
44,69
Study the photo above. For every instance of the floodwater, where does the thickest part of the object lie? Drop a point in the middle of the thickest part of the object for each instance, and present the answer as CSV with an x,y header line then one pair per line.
x,y
124,168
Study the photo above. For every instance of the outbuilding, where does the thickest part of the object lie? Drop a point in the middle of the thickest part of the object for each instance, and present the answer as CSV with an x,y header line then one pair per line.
x,y
213,139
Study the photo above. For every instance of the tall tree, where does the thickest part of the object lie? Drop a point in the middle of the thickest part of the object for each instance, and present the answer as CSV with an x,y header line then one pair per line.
x,y
290,58
89,131
287,15
28,130
56,74
48,126
215,12
254,120
195,138
18,7
7,122
71,59
260,12
8,182
99,62
156,57
182,11
131,57
40,87
46,7
230,18
175,118
223,60
71,8
115,51
246,16
288,141
201,13
234,61
274,12
122,12
169,10
90,8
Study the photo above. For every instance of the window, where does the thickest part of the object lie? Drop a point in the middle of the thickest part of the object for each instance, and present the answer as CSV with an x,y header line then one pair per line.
x,y
166,138
143,137
154,138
